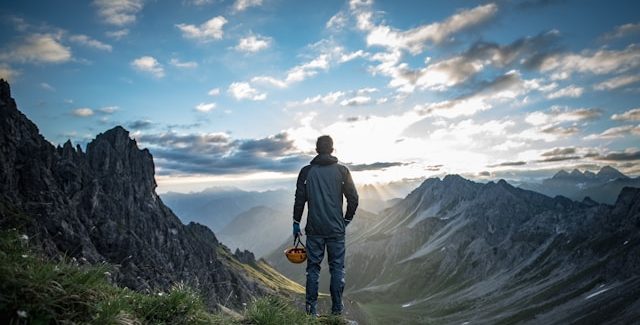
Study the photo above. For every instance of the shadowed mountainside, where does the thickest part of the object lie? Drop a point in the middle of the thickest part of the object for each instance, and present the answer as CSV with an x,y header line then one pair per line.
x,y
101,206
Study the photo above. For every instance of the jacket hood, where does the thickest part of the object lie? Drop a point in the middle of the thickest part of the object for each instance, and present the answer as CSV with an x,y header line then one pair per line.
x,y
324,160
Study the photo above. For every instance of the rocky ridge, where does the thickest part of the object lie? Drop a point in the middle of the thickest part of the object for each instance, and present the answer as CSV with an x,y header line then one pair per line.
x,y
101,206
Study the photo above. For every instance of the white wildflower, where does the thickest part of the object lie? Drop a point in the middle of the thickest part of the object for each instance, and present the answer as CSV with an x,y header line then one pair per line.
x,y
22,314
107,273
24,255
160,294
24,237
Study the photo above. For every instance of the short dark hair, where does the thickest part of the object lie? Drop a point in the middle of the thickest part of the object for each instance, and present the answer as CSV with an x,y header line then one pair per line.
x,y
324,144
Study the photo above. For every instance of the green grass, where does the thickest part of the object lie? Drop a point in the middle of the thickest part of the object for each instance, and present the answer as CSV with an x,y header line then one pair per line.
x,y
37,290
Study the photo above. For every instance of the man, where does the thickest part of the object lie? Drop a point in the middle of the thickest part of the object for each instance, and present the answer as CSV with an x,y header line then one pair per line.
x,y
322,184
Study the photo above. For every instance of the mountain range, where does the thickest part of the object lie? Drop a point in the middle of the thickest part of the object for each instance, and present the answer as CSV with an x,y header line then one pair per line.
x,y
100,206
603,186
455,251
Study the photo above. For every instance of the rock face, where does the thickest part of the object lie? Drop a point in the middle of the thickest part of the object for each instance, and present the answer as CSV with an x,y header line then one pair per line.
x,y
101,206
455,251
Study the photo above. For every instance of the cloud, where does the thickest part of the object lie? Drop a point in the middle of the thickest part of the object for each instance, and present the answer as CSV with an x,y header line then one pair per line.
x,y
297,73
373,166
508,164
326,99
460,68
630,115
205,107
243,90
600,62
108,109
346,57
241,5
140,124
90,42
183,64
119,12
253,43
356,101
617,82
558,158
506,87
214,92
83,112
616,132
622,31
570,91
8,73
559,114
210,30
621,156
217,153
148,64
38,48
337,21
118,34
559,152
47,86
414,40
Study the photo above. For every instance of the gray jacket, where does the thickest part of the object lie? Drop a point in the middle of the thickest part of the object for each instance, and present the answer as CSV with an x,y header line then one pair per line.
x,y
322,184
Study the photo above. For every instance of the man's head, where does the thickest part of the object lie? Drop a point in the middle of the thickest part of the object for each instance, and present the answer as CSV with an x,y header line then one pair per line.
x,y
324,145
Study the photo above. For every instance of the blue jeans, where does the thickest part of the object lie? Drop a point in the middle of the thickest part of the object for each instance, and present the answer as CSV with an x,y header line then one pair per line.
x,y
315,253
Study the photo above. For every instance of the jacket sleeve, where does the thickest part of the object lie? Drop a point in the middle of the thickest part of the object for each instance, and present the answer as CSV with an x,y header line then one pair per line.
x,y
301,195
350,192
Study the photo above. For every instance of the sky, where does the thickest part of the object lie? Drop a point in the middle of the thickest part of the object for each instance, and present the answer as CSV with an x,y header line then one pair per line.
x,y
236,92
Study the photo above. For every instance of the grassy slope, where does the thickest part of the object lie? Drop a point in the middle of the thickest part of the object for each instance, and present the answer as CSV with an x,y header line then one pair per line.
x,y
36,290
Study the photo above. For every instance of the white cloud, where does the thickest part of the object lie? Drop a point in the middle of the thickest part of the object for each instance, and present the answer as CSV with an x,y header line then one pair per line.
x,y
205,107
326,99
297,73
242,90
148,64
83,112
623,31
337,21
617,82
47,86
369,90
90,42
7,73
214,92
183,64
208,31
38,48
561,114
109,109
600,62
571,91
630,115
414,40
616,132
356,101
253,43
506,88
346,57
201,2
241,5
118,34
119,12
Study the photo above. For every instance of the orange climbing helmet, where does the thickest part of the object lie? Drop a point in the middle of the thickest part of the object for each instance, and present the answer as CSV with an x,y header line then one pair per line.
x,y
296,254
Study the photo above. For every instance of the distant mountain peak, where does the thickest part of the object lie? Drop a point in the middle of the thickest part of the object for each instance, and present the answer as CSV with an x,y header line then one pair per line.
x,y
609,173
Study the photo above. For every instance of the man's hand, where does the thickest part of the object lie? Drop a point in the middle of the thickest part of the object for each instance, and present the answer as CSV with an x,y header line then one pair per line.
x,y
347,222
296,230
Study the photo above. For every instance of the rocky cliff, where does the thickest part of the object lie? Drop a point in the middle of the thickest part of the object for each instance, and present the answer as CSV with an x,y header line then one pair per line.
x,y
101,206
